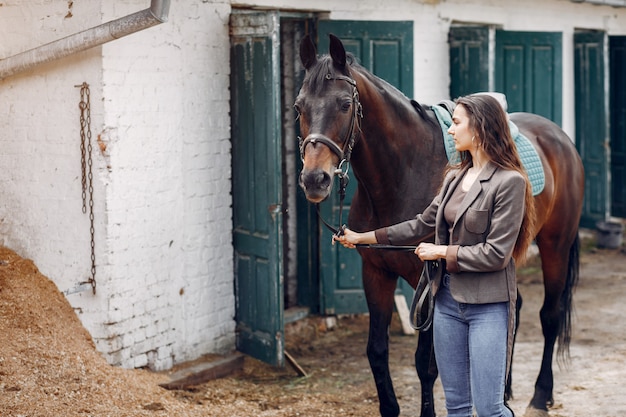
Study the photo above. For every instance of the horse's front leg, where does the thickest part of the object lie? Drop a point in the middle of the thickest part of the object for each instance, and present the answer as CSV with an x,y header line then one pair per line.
x,y
426,371
379,291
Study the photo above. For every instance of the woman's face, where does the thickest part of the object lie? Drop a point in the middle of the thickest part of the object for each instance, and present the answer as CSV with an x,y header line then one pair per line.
x,y
461,130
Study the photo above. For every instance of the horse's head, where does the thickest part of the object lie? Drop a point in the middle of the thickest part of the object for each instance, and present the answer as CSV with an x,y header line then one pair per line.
x,y
329,113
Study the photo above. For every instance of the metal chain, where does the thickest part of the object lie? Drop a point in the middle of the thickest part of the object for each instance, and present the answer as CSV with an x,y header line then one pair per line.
x,y
86,169
83,169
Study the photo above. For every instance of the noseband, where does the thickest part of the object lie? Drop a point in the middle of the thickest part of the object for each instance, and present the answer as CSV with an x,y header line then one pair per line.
x,y
345,151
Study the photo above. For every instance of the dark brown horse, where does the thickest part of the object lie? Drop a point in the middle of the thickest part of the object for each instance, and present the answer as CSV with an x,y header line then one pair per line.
x,y
398,157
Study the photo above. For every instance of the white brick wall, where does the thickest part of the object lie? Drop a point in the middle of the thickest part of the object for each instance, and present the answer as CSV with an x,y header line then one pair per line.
x,y
160,109
170,170
160,106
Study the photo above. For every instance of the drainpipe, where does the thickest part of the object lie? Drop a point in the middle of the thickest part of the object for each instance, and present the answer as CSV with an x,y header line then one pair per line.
x,y
157,13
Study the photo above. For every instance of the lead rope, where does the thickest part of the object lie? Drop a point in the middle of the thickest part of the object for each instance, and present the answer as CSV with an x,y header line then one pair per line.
x,y
87,175
423,304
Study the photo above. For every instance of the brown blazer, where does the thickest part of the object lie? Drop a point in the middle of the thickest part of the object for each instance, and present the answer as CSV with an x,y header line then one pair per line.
x,y
479,256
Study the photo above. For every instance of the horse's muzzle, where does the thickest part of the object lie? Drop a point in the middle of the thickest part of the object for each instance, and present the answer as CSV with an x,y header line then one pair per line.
x,y
316,184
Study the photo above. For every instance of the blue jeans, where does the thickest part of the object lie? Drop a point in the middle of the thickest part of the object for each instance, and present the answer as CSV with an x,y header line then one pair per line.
x,y
471,350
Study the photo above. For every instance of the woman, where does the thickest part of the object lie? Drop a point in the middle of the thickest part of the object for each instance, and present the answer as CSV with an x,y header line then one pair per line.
x,y
483,219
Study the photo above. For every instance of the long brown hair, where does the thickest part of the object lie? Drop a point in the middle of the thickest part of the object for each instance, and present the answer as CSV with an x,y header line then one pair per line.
x,y
491,124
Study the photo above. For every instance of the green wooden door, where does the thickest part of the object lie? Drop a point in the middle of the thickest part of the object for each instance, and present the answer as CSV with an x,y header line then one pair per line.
x,y
386,49
591,122
528,70
469,60
617,48
256,171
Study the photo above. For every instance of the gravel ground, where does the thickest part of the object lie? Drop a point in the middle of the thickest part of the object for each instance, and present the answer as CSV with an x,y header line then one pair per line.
x,y
49,366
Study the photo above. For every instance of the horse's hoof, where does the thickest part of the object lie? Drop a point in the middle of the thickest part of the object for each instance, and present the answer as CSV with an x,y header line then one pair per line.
x,y
533,412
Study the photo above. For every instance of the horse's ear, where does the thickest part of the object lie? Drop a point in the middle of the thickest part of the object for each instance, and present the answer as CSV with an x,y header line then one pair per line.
x,y
337,51
308,53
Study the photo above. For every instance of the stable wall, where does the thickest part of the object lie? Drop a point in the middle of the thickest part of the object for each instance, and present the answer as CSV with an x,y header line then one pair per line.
x,y
161,168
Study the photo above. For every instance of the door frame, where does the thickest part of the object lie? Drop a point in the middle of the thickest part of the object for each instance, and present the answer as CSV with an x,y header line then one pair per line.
x,y
617,106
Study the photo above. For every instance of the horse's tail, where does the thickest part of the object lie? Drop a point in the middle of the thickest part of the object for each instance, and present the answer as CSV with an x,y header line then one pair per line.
x,y
567,302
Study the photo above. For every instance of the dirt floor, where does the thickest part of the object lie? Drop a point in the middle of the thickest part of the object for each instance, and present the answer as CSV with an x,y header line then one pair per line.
x,y
49,367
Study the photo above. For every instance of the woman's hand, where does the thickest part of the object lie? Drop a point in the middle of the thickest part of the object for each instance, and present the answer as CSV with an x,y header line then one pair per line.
x,y
430,251
350,238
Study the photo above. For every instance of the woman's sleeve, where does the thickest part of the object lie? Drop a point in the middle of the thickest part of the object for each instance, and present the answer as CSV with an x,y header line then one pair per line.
x,y
414,230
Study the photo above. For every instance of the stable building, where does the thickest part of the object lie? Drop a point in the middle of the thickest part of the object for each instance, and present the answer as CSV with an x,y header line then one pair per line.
x,y
149,148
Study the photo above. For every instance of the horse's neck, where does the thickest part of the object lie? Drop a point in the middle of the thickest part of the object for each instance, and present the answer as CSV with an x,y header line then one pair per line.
x,y
399,157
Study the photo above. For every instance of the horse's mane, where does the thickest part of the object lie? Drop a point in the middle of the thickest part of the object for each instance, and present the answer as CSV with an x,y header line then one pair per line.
x,y
421,110
316,76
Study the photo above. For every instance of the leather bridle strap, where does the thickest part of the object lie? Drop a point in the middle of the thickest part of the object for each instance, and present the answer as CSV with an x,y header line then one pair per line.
x,y
318,137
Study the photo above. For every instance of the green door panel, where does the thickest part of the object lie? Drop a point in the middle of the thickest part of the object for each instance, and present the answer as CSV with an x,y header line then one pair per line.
x,y
591,122
469,60
386,49
529,71
256,171
617,78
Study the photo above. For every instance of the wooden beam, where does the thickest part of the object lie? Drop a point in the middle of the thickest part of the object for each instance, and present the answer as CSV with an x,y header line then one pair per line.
x,y
291,361
205,371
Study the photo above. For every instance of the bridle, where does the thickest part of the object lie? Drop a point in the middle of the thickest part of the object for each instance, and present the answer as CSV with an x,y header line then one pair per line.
x,y
343,152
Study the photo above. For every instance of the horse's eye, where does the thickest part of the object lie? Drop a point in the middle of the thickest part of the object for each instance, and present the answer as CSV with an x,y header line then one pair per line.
x,y
298,110
345,106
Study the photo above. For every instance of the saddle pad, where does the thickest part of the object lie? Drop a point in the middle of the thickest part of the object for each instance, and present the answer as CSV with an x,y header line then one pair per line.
x,y
527,152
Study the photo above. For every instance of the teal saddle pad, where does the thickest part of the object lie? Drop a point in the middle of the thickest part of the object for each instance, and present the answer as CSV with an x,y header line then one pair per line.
x,y
527,152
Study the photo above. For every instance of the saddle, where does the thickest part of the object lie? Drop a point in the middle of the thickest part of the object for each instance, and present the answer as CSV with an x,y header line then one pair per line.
x,y
528,154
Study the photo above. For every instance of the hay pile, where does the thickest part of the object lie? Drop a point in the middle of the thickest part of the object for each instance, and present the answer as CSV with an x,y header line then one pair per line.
x,y
49,365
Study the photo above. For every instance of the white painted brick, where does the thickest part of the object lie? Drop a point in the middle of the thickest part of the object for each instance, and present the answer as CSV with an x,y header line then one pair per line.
x,y
140,361
112,344
127,339
151,331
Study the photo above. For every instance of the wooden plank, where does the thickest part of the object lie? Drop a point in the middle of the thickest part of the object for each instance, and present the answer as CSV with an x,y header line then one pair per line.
x,y
204,371
291,361
294,314
403,312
